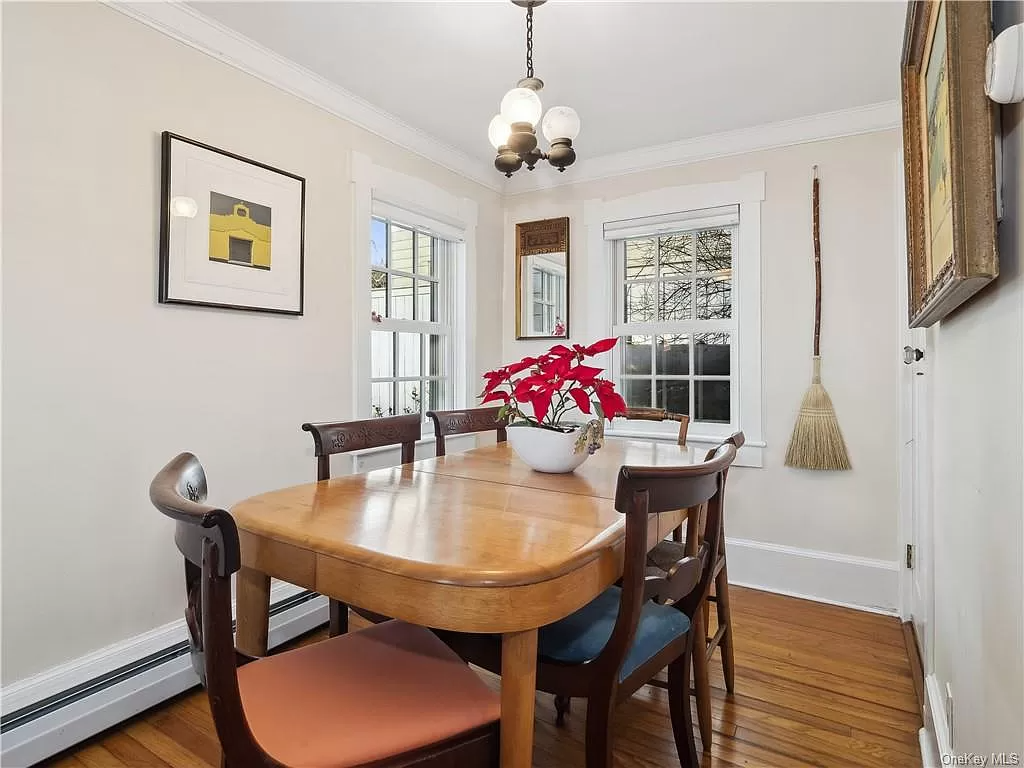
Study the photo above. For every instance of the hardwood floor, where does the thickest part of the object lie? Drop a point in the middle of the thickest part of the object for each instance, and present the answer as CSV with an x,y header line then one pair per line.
x,y
816,685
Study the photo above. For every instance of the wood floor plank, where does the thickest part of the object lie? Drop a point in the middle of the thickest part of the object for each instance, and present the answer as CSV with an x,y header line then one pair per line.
x,y
816,685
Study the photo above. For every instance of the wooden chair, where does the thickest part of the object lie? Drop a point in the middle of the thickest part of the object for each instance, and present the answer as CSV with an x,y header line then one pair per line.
x,y
660,414
369,698
331,437
663,557
448,423
618,642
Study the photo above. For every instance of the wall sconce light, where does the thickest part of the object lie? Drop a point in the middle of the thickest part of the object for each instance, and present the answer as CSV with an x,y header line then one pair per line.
x,y
184,207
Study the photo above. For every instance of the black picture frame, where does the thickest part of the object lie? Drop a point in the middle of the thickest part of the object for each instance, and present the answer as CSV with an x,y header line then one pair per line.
x,y
163,292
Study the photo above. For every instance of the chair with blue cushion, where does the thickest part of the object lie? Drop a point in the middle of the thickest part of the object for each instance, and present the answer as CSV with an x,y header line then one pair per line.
x,y
607,650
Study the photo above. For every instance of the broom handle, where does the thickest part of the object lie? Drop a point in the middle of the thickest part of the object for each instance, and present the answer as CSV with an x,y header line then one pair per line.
x,y
817,265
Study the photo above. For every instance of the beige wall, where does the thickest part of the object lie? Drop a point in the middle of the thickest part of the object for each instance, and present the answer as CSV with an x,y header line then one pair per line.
x,y
852,513
978,423
102,385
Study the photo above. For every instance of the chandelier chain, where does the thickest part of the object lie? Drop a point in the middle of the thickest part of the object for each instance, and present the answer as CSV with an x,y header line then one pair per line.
x,y
529,41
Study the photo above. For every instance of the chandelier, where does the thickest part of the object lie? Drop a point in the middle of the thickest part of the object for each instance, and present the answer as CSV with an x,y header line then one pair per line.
x,y
513,131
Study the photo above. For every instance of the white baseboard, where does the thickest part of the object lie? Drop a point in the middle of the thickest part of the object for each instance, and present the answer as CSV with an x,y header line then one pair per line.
x,y
825,577
78,720
935,723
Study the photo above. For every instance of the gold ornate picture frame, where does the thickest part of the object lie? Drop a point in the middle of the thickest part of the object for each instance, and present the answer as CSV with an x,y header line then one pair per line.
x,y
948,157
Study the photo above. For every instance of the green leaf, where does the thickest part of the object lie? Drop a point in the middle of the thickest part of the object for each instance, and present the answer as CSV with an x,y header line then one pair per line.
x,y
597,409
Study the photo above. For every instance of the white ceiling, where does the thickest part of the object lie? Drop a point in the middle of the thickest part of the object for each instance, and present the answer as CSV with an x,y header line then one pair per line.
x,y
638,73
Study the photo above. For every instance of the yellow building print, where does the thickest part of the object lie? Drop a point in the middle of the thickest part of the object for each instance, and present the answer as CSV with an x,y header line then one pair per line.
x,y
239,232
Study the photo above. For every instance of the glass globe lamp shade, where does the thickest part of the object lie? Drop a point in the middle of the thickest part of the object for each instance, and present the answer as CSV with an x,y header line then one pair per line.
x,y
561,123
498,132
521,105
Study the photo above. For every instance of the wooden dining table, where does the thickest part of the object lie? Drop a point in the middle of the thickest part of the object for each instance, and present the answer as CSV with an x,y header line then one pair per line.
x,y
471,542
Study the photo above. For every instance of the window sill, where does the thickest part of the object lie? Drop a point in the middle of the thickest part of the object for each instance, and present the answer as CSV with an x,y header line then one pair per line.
x,y
750,455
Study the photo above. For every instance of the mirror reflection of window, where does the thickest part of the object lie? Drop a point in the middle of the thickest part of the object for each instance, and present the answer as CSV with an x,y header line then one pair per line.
x,y
542,279
548,299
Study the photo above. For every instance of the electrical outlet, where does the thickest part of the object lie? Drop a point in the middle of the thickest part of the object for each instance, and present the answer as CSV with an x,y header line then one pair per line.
x,y
949,713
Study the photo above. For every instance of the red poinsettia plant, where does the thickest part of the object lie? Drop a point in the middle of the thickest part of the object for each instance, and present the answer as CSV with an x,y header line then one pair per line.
x,y
552,384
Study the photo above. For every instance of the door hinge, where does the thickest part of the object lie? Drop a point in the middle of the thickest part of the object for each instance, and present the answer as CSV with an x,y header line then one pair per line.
x,y
910,555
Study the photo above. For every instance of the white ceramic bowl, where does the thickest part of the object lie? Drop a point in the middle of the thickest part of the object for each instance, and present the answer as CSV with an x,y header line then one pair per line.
x,y
546,450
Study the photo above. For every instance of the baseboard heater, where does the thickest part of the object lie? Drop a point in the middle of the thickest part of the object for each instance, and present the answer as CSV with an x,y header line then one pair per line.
x,y
52,724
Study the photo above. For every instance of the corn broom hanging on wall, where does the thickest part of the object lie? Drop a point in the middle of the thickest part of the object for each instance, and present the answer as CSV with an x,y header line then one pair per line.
x,y
817,442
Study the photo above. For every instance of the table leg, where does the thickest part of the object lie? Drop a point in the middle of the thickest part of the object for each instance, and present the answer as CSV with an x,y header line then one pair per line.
x,y
252,593
518,684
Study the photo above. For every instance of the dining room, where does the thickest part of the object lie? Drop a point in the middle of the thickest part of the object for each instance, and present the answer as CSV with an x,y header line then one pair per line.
x,y
514,384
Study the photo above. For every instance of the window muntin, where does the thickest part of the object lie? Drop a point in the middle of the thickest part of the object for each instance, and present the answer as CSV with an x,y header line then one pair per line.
x,y
411,334
677,322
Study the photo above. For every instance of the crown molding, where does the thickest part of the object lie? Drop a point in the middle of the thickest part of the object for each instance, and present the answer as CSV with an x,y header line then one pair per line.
x,y
189,26
827,125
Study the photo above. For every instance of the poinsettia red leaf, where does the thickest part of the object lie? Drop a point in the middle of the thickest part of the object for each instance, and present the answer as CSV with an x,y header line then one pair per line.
x,y
522,365
583,373
582,401
612,403
600,346
560,350
541,404
492,396
523,390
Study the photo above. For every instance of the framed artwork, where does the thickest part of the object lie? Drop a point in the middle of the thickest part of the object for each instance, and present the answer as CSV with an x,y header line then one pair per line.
x,y
948,157
231,230
542,279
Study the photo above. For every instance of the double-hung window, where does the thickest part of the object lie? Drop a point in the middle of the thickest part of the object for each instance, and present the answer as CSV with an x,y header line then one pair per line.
x,y
674,281
411,333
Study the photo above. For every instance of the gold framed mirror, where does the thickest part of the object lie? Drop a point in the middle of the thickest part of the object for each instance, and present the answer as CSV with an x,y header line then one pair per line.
x,y
542,279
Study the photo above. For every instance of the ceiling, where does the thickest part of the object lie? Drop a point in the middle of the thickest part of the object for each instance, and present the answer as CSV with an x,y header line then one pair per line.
x,y
638,73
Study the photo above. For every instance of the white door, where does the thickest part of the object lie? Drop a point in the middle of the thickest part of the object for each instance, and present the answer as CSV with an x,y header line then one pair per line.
x,y
915,479
915,408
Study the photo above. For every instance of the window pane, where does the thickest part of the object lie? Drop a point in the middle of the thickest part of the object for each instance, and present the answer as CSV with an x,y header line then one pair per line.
x,y
674,396
676,254
433,395
637,392
426,300
636,355
381,403
435,356
401,297
640,256
382,355
673,355
714,298
424,254
675,300
408,362
711,354
409,396
378,243
379,292
401,248
712,401
639,302
714,250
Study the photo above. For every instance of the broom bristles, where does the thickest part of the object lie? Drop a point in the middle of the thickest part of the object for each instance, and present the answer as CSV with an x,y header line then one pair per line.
x,y
817,442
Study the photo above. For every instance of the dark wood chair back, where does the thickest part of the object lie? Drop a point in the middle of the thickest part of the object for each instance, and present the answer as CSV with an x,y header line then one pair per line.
x,y
643,491
208,539
465,422
660,414
331,437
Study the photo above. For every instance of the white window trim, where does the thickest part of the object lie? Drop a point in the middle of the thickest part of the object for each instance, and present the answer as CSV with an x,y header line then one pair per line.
x,y
748,192
458,219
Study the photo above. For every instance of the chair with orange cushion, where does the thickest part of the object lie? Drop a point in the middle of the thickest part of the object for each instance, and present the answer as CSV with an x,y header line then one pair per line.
x,y
389,695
